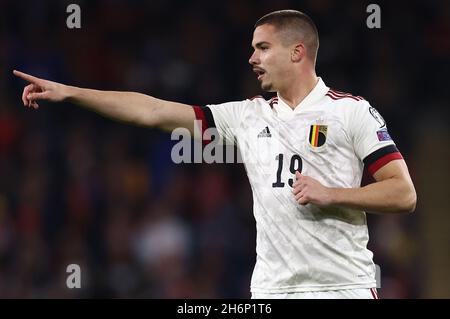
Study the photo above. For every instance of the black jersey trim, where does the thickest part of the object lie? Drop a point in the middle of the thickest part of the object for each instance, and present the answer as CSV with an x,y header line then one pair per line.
x,y
374,156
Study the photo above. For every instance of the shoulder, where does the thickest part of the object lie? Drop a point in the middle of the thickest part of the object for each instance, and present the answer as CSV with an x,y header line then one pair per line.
x,y
347,102
354,110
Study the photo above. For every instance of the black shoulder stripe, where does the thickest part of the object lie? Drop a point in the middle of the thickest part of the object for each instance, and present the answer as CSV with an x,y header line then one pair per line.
x,y
373,157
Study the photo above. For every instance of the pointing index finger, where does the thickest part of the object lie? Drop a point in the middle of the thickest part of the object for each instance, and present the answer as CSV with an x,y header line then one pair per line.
x,y
26,77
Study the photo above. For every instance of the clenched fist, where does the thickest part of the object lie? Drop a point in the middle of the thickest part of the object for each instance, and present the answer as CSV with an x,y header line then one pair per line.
x,y
307,190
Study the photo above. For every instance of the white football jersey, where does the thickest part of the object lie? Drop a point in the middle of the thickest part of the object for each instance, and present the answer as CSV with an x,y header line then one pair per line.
x,y
329,136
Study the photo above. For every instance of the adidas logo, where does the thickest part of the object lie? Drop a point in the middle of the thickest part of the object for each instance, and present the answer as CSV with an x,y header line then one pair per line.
x,y
265,133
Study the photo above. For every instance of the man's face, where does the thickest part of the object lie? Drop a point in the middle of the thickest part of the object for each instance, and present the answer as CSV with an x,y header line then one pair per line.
x,y
271,61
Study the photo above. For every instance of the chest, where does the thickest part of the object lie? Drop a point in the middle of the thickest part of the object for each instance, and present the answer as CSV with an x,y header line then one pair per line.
x,y
306,133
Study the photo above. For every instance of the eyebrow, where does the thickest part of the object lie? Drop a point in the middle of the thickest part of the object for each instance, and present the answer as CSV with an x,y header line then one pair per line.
x,y
260,44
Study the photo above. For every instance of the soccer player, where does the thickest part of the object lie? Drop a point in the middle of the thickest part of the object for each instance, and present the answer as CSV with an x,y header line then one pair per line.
x,y
304,152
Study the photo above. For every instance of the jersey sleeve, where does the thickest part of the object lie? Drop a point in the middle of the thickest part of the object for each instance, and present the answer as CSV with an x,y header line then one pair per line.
x,y
371,140
225,118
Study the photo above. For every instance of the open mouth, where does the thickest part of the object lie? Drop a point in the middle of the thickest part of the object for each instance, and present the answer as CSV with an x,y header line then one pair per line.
x,y
259,72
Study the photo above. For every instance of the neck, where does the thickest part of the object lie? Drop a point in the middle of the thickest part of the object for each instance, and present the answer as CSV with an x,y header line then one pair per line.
x,y
296,92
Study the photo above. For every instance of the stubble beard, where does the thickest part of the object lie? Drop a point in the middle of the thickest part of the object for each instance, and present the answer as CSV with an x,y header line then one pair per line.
x,y
268,87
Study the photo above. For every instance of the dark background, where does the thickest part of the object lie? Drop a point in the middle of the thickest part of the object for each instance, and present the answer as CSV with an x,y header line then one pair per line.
x,y
78,188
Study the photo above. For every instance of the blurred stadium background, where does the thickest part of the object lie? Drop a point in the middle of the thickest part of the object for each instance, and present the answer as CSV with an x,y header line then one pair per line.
x,y
78,188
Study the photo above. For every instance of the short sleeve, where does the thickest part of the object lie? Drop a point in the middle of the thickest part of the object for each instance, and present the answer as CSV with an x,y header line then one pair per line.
x,y
225,117
371,140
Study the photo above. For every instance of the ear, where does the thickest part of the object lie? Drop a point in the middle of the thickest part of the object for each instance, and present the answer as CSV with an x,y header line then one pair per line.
x,y
298,52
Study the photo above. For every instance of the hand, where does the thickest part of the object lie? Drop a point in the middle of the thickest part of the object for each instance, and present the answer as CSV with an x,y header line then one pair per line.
x,y
40,89
307,190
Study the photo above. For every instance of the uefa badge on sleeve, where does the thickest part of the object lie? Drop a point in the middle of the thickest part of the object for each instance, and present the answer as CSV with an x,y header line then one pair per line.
x,y
383,135
318,135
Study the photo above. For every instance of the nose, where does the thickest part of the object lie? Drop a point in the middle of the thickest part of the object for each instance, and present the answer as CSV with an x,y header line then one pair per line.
x,y
253,59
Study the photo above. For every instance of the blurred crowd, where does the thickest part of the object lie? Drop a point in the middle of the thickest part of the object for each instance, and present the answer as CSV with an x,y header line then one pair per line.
x,y
79,188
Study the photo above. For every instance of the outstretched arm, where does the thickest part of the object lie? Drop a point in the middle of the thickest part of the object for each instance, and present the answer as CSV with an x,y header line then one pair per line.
x,y
393,191
131,107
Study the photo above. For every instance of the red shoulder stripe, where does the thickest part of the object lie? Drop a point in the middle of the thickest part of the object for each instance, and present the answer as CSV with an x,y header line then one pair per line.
x,y
336,95
273,101
343,94
379,163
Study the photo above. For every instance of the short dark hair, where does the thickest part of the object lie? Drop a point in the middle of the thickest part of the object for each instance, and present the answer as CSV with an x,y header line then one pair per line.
x,y
294,25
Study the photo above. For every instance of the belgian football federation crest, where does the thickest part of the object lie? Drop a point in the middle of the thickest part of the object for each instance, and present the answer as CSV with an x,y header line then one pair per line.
x,y
318,135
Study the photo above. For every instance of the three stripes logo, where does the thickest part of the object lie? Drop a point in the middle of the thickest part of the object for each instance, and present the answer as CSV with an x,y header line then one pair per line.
x,y
265,133
318,135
